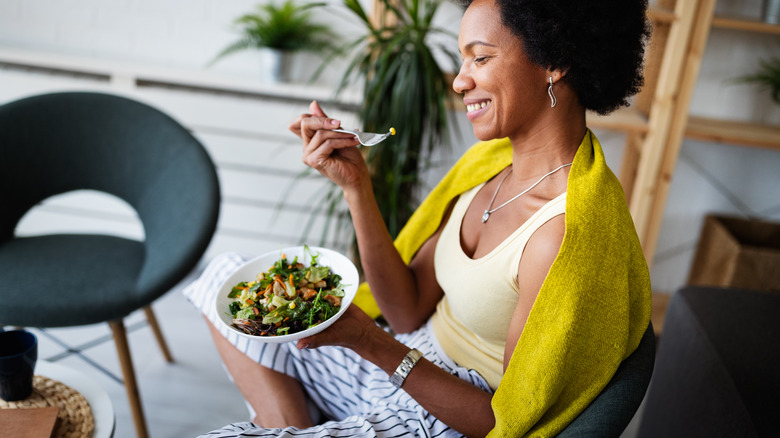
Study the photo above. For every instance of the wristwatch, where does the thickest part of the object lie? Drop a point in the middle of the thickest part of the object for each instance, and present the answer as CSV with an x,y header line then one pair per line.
x,y
403,370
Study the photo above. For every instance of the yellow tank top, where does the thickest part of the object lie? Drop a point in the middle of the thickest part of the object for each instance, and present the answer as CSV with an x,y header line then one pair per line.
x,y
480,295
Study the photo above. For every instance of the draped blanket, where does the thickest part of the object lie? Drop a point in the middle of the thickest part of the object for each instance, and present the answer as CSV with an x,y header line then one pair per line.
x,y
592,309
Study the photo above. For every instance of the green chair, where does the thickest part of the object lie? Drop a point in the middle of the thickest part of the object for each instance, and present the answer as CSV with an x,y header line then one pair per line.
x,y
61,142
609,414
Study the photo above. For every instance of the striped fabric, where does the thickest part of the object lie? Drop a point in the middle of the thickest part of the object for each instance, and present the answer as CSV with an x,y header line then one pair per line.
x,y
354,393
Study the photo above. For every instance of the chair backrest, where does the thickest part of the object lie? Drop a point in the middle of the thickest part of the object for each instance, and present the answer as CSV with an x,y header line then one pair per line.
x,y
60,142
609,414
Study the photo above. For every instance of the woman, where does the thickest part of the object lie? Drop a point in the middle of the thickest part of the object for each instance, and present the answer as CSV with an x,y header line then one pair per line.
x,y
488,246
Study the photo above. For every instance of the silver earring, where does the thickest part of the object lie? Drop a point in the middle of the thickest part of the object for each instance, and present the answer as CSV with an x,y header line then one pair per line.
x,y
553,99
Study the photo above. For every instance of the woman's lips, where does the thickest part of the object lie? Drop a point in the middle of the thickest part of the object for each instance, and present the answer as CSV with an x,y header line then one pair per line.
x,y
476,108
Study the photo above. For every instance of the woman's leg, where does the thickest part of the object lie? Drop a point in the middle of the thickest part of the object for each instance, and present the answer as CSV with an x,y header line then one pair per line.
x,y
277,399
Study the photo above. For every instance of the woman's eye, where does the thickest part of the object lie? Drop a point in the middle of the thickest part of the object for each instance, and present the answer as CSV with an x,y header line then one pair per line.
x,y
479,60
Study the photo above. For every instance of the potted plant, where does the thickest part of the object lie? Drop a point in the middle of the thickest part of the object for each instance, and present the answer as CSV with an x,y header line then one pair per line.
x,y
278,31
767,76
770,11
403,85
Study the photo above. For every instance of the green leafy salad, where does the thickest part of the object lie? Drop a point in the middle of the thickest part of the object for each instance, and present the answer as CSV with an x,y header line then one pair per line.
x,y
288,298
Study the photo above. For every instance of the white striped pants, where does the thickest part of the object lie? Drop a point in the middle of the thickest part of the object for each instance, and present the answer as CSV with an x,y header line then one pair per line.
x,y
343,386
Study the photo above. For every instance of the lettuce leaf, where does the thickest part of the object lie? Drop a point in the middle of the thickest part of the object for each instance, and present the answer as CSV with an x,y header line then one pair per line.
x,y
318,273
247,313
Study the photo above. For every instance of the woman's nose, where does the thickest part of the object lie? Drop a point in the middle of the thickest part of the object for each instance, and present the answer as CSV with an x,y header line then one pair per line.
x,y
463,81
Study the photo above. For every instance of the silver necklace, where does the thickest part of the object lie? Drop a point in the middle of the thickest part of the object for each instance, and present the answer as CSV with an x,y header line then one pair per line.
x,y
488,211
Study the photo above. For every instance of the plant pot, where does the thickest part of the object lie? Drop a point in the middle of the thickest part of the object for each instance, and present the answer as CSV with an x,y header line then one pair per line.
x,y
770,11
276,65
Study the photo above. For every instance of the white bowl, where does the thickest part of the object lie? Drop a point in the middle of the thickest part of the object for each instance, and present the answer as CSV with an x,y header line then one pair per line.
x,y
338,263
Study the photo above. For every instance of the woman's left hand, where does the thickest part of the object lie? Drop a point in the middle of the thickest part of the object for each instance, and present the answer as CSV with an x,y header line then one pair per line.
x,y
353,329
465,407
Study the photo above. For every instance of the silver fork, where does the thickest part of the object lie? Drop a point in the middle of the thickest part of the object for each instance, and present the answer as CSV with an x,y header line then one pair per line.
x,y
367,138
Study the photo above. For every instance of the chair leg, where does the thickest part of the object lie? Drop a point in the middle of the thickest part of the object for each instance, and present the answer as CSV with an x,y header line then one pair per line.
x,y
152,320
123,350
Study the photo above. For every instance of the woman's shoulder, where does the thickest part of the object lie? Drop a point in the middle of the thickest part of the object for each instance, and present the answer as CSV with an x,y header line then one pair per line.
x,y
545,242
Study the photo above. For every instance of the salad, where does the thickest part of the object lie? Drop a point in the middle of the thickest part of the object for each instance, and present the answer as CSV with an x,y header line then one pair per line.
x,y
286,299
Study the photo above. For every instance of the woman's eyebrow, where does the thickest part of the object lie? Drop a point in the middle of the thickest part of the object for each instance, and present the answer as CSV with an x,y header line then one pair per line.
x,y
471,45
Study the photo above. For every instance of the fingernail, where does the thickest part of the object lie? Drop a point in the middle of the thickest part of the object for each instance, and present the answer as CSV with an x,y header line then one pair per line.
x,y
335,122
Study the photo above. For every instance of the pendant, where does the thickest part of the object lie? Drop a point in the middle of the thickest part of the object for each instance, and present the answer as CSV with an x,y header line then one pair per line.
x,y
485,216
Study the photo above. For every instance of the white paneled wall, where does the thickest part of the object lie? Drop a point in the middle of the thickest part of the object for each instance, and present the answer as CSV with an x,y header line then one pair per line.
x,y
126,42
172,33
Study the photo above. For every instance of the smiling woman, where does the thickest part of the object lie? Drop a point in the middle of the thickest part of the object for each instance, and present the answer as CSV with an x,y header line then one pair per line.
x,y
496,75
542,55
504,327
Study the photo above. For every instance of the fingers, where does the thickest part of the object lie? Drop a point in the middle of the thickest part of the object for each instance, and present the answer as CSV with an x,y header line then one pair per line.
x,y
295,125
314,111
324,149
349,331
312,125
322,146
306,126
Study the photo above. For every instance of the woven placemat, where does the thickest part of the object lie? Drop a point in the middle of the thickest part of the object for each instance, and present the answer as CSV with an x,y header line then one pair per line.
x,y
75,418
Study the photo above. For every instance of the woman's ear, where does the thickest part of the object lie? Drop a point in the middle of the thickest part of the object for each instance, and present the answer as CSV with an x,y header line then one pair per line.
x,y
556,74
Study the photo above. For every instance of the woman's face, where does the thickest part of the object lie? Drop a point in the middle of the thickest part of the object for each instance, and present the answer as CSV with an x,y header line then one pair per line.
x,y
504,92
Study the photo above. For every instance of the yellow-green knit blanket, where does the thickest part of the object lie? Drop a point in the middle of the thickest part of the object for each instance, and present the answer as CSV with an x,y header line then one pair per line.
x,y
594,305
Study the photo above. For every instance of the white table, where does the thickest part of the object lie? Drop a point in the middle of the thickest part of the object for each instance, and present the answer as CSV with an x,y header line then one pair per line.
x,y
99,402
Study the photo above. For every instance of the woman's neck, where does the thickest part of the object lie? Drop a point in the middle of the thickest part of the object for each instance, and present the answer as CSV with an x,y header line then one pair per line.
x,y
539,153
551,143
553,138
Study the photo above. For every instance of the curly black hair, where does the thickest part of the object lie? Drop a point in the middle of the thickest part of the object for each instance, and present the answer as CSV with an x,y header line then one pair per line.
x,y
600,43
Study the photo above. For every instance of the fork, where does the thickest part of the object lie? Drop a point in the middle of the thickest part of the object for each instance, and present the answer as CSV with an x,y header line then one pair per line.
x,y
367,138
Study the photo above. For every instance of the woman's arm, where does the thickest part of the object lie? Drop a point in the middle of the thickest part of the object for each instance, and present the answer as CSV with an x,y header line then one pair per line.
x,y
540,252
457,403
407,295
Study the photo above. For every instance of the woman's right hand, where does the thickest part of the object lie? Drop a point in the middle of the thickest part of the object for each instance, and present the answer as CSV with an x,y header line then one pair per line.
x,y
333,154
396,286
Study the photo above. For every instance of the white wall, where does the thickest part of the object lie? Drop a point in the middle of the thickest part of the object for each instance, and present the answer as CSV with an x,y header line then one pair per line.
x,y
183,35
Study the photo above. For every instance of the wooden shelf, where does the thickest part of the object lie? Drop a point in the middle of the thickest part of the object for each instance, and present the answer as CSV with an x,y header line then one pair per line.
x,y
624,119
739,133
658,14
654,136
701,128
745,24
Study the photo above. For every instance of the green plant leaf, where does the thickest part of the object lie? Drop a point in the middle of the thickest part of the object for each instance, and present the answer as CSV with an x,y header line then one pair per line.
x,y
354,6
767,77
286,27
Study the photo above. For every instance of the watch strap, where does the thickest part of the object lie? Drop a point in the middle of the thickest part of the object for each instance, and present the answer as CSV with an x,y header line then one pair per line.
x,y
405,367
